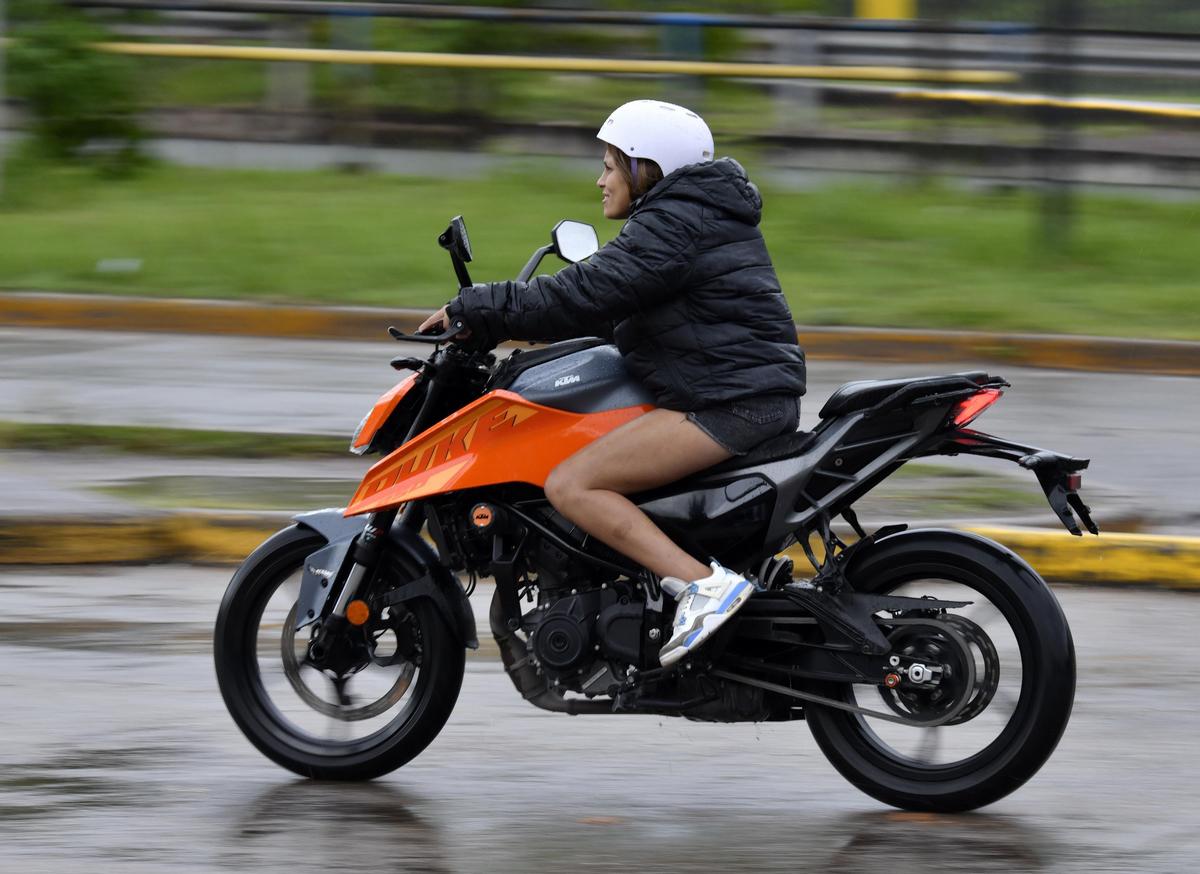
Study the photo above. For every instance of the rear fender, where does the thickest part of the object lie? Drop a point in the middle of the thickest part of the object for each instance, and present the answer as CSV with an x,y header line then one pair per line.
x,y
328,564
1060,476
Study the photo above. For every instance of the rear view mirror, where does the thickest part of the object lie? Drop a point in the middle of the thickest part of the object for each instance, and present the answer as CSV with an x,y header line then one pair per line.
x,y
574,241
455,241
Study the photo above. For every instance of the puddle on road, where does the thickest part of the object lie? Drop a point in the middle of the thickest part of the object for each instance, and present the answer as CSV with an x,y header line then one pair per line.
x,y
76,780
109,636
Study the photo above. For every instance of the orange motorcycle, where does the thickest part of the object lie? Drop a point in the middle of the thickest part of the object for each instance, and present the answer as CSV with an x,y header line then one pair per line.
x,y
934,667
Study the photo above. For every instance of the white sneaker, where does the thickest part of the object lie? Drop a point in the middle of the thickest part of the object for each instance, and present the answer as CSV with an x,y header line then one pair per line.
x,y
704,606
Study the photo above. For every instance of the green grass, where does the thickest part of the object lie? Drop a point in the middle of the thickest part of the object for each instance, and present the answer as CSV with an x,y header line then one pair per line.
x,y
141,440
887,255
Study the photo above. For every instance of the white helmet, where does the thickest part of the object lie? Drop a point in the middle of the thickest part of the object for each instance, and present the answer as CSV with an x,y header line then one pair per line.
x,y
667,134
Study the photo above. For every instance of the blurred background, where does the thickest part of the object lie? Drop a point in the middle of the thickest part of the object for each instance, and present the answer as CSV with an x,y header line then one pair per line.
x,y
995,165
1018,170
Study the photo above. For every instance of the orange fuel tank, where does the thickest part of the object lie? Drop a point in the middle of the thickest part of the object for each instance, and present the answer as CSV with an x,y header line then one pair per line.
x,y
500,438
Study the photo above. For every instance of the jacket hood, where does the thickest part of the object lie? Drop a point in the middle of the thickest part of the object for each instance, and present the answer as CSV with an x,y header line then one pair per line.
x,y
720,184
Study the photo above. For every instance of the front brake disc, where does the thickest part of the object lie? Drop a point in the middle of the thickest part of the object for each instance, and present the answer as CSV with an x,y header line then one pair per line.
x,y
346,713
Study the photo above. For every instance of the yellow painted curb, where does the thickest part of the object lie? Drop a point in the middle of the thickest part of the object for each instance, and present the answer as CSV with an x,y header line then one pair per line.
x,y
226,539
56,541
214,539
1110,559
1056,351
196,539
154,315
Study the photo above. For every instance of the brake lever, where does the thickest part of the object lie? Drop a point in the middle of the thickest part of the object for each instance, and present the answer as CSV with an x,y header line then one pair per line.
x,y
456,327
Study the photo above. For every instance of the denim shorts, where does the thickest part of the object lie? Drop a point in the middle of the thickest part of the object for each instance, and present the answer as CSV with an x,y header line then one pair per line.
x,y
740,425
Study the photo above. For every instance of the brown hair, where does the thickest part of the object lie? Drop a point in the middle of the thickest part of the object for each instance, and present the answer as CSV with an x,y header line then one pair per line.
x,y
649,173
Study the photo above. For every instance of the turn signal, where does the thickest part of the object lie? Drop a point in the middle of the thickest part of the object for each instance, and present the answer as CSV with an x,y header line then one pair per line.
x,y
968,411
357,612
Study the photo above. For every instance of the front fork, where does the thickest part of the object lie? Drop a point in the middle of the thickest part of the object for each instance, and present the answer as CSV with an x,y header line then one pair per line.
x,y
332,647
365,555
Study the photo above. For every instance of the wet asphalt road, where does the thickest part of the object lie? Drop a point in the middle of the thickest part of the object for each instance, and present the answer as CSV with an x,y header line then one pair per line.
x,y
118,756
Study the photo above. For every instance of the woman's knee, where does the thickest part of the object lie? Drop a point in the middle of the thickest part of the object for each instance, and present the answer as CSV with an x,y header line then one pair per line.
x,y
563,487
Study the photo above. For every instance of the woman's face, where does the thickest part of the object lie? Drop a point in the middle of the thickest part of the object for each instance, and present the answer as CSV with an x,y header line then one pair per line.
x,y
615,188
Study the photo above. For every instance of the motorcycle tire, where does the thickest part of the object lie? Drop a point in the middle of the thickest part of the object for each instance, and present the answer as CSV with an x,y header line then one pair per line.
x,y
1047,682
434,691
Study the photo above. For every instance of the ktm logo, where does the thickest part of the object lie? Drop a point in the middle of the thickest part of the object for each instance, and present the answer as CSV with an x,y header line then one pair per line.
x,y
482,516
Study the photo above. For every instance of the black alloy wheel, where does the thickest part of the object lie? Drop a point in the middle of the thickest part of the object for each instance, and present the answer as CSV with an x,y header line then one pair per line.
x,y
387,702
1003,729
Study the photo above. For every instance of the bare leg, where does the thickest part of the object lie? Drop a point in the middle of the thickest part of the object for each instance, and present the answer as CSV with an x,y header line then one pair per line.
x,y
589,488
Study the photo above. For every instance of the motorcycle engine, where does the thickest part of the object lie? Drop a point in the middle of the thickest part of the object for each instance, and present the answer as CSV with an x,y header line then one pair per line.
x,y
583,640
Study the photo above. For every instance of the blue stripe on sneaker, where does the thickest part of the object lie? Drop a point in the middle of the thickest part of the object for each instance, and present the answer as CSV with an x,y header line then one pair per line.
x,y
691,637
729,599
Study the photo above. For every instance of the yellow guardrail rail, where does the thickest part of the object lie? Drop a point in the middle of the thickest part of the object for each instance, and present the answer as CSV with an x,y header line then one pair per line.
x,y
553,64
1101,104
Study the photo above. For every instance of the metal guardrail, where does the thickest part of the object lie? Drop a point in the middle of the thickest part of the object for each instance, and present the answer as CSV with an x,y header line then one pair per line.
x,y
556,64
690,68
1082,104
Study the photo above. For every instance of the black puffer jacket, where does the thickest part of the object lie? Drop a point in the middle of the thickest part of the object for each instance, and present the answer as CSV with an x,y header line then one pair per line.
x,y
686,290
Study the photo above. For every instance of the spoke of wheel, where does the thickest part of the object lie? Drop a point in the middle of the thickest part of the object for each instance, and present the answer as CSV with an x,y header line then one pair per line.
x,y
982,612
340,728
931,741
1003,704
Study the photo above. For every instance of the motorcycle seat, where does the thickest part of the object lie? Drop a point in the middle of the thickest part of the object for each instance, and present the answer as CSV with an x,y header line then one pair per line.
x,y
783,446
863,393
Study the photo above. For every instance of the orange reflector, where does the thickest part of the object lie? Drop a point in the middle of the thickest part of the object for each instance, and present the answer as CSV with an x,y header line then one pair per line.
x,y
968,411
357,612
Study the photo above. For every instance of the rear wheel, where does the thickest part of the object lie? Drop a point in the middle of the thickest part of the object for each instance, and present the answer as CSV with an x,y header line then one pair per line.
x,y
395,687
1011,646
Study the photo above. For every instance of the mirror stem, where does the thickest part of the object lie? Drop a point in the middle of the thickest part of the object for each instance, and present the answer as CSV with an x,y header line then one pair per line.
x,y
534,260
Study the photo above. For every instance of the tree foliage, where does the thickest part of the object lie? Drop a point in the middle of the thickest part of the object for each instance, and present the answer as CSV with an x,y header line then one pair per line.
x,y
82,103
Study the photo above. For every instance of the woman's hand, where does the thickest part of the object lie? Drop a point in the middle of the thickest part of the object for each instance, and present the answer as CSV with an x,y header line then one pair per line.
x,y
438,320
441,321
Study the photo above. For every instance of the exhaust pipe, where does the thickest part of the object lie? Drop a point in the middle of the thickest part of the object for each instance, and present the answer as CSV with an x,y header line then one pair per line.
x,y
518,664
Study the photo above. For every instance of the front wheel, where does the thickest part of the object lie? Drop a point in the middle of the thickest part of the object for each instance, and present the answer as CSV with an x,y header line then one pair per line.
x,y
396,683
1022,679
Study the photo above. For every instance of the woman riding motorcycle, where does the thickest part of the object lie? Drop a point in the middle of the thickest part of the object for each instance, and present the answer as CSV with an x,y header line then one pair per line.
x,y
688,294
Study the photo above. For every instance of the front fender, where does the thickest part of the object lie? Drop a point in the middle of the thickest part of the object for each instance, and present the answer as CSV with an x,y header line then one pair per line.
x,y
340,531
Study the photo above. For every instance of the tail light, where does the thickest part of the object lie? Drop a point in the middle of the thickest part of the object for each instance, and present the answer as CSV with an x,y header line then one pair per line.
x,y
967,411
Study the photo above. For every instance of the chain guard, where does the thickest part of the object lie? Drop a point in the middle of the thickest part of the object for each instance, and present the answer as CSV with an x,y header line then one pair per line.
x,y
945,718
